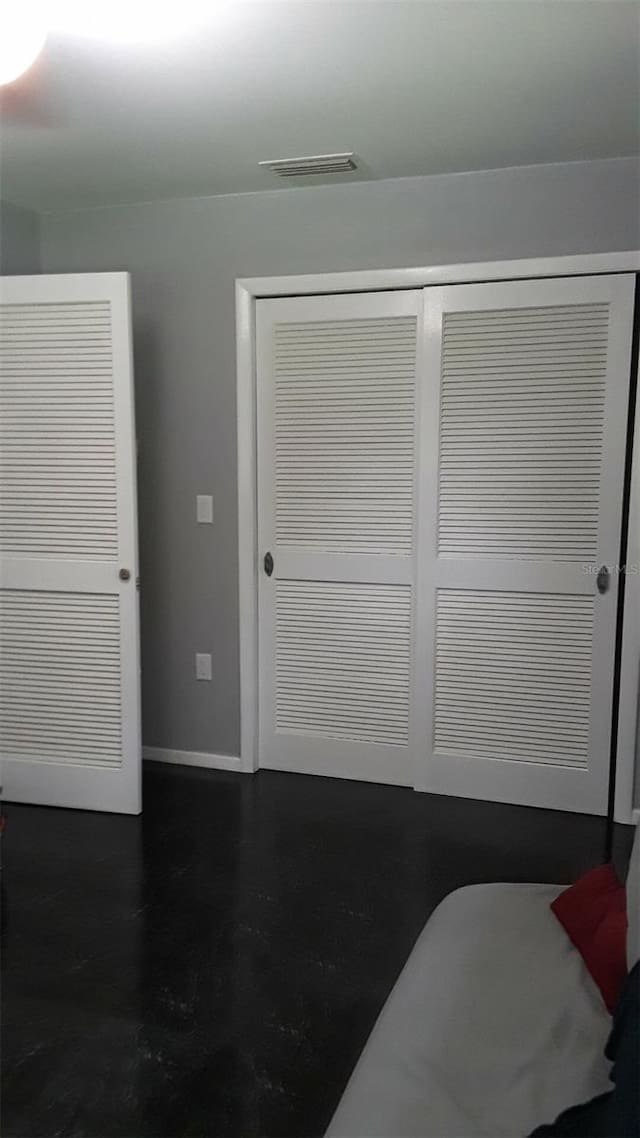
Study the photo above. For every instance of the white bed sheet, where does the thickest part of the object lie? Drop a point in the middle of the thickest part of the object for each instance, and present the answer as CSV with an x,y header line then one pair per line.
x,y
493,1027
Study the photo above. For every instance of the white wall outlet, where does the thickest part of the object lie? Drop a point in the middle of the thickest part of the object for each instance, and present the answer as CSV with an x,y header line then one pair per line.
x,y
203,665
204,509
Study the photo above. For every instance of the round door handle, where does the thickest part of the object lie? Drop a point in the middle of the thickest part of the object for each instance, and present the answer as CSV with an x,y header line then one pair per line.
x,y
125,574
603,579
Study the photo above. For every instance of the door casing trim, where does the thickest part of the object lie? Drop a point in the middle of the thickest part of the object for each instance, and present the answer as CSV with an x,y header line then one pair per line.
x,y
251,289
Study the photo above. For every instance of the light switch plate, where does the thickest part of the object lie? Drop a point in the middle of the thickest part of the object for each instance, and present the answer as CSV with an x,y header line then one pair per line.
x,y
204,509
203,665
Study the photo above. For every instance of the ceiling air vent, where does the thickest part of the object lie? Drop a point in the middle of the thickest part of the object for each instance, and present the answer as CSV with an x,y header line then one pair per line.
x,y
316,164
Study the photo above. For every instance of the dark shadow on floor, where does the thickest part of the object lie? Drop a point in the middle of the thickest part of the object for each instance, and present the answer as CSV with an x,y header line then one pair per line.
x,y
214,967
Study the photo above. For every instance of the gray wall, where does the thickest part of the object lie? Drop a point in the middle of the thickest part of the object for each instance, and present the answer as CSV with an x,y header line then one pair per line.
x,y
184,257
19,240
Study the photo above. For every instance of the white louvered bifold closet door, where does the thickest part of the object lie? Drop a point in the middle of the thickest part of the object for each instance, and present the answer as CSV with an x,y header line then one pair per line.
x,y
69,655
524,437
336,396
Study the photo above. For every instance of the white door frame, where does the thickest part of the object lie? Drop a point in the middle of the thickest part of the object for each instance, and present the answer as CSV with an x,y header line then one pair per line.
x,y
248,291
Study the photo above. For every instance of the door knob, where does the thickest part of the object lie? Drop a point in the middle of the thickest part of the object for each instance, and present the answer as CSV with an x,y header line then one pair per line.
x,y
268,564
603,579
124,574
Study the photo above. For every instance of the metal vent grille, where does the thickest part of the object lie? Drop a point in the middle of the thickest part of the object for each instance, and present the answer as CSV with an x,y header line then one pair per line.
x,y
513,675
314,164
343,655
344,434
60,685
521,431
57,435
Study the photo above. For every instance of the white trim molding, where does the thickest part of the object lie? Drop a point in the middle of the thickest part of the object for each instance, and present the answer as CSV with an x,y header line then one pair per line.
x,y
192,759
370,280
248,291
627,772
247,526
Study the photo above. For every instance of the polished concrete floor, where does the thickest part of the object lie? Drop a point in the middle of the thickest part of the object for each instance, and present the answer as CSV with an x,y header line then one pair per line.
x,y
214,967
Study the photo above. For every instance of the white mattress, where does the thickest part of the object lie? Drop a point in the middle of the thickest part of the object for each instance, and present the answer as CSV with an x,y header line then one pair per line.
x,y
493,1027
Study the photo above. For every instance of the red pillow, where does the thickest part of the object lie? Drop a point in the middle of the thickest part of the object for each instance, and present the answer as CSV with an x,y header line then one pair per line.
x,y
593,913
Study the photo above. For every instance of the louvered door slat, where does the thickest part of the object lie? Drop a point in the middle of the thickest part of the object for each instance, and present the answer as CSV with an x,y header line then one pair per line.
x,y
39,422
473,630
344,394
314,692
486,437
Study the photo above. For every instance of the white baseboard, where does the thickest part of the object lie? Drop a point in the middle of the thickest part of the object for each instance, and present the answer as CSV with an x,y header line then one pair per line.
x,y
193,759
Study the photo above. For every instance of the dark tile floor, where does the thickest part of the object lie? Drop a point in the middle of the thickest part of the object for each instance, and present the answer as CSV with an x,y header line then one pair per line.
x,y
214,967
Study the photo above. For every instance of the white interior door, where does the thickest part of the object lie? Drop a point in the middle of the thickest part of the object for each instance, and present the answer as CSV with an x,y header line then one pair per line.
x,y
336,398
524,426
69,640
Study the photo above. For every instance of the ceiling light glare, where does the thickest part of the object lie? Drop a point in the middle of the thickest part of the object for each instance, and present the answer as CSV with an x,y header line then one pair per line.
x,y
130,21
22,35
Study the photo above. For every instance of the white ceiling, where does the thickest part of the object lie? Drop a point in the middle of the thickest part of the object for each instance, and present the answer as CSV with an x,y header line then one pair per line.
x,y
412,86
